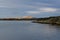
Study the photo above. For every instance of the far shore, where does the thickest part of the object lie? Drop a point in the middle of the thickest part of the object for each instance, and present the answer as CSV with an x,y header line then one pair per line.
x,y
46,20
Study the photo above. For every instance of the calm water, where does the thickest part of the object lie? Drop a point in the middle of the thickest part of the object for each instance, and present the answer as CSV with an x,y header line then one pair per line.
x,y
15,30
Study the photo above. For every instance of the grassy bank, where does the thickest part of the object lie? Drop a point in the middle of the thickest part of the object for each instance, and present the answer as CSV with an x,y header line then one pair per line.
x,y
49,20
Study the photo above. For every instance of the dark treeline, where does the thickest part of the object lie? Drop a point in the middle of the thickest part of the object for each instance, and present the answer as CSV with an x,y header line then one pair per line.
x,y
50,20
23,18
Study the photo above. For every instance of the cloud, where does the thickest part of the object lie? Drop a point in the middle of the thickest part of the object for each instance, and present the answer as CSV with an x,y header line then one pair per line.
x,y
21,3
33,12
11,3
42,4
43,10
14,4
47,9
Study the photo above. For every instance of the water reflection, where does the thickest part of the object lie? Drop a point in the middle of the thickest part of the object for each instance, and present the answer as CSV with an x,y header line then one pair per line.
x,y
16,30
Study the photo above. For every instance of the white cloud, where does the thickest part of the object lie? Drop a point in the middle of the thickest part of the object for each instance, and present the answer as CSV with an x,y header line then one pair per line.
x,y
47,9
33,12
42,10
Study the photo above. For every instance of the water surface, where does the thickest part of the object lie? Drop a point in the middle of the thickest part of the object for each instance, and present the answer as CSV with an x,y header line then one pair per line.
x,y
18,30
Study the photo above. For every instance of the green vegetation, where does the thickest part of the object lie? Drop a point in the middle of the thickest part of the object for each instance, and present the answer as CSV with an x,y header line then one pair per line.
x,y
49,20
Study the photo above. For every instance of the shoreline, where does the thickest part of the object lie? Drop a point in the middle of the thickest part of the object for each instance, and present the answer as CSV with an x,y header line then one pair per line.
x,y
48,20
45,23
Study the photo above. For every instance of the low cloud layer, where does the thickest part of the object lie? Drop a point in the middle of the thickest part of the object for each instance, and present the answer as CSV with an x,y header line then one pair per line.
x,y
48,9
33,12
41,10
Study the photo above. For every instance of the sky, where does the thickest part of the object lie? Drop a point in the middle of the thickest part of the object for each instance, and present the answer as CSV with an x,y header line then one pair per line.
x,y
35,8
